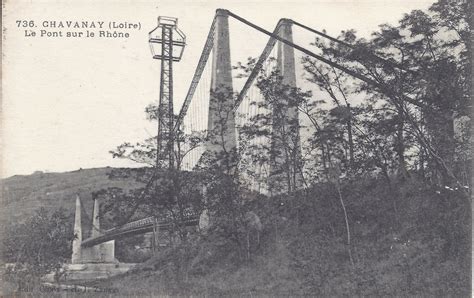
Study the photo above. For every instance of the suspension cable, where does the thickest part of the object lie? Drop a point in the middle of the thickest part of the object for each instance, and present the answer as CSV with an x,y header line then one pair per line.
x,y
258,65
384,88
197,74
385,61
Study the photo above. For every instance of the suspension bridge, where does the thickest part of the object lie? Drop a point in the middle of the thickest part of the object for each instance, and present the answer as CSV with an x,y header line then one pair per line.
x,y
211,108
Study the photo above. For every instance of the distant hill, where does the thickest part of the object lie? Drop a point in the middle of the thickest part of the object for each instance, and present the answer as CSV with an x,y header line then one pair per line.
x,y
23,194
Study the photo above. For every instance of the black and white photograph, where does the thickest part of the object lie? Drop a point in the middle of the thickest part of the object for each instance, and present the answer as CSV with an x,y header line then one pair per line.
x,y
226,148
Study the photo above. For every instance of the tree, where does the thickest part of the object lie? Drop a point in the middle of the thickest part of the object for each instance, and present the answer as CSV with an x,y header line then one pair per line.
x,y
419,70
271,136
166,193
38,246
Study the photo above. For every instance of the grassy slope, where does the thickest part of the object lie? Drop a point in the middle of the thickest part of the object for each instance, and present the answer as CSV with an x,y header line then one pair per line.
x,y
23,194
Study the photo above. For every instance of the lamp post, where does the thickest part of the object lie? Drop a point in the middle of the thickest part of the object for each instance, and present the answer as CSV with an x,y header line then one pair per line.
x,y
167,44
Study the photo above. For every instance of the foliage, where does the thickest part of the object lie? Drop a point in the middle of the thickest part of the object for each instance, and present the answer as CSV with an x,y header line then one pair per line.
x,y
421,247
38,246
420,88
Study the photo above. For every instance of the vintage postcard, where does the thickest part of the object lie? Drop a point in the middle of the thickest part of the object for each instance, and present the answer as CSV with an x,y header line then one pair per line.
x,y
236,148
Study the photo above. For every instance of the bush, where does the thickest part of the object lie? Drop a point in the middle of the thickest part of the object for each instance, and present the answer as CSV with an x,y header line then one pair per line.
x,y
38,246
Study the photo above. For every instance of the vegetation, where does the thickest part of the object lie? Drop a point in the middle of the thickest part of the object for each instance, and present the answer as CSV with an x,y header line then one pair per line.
x,y
39,246
302,248
23,195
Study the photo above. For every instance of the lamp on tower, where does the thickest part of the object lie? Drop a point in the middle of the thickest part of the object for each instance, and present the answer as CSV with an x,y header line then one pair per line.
x,y
169,34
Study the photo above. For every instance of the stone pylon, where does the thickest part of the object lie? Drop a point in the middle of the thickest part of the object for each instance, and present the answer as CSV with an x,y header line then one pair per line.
x,y
96,219
101,253
221,119
95,232
76,243
285,157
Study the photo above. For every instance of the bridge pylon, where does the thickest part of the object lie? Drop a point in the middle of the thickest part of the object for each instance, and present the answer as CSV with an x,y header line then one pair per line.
x,y
76,243
101,253
285,157
221,118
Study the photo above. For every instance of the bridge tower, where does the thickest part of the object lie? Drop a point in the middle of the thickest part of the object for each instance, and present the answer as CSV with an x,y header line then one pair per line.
x,y
76,243
221,118
285,158
101,253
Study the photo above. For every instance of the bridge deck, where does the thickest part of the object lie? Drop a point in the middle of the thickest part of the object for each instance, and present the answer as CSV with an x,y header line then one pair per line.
x,y
137,227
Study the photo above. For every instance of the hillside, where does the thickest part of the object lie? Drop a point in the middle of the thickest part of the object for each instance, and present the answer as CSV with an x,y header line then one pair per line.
x,y
23,194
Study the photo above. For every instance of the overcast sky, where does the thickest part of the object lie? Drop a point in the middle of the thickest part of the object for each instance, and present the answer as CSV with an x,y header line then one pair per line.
x,y
67,102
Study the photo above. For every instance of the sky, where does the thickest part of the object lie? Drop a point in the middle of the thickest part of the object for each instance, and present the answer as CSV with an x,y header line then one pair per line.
x,y
66,102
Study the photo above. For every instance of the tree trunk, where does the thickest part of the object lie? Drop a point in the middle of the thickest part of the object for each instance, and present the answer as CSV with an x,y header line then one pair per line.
x,y
351,141
400,145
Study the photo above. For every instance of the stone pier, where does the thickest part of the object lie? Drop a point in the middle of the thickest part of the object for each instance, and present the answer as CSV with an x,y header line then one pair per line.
x,y
221,118
285,158
89,263
102,253
76,243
